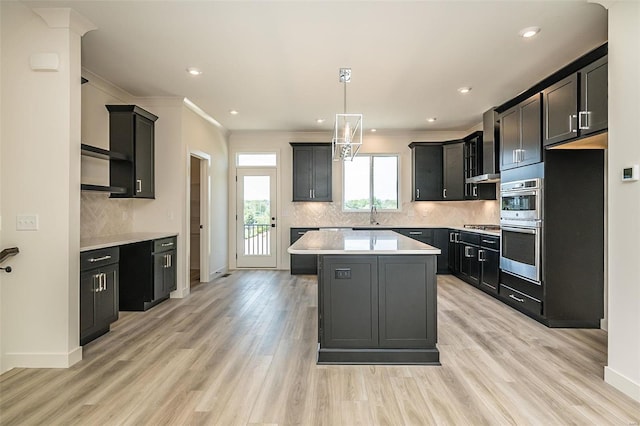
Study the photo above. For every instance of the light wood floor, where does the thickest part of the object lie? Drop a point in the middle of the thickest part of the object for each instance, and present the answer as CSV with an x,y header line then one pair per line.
x,y
241,350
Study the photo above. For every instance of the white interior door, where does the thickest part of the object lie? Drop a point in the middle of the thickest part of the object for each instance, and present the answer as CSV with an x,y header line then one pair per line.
x,y
256,218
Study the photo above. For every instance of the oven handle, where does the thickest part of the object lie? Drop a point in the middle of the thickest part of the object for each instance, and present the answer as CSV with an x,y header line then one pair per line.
x,y
520,230
512,192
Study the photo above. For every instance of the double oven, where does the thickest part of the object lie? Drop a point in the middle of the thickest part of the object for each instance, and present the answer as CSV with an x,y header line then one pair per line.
x,y
521,222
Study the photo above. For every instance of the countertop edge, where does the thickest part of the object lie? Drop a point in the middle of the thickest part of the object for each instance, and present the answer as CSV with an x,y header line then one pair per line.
x,y
122,239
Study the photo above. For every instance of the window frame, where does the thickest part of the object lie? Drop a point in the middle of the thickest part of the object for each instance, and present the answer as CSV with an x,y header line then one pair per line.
x,y
239,153
397,156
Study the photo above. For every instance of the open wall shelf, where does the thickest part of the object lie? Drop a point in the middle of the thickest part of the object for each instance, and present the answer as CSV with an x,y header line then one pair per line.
x,y
101,188
103,154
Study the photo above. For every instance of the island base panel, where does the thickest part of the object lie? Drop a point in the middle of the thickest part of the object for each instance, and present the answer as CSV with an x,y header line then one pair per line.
x,y
382,356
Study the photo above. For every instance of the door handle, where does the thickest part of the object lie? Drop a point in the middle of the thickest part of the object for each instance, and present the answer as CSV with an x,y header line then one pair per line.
x,y
417,192
104,279
467,251
475,191
452,238
586,115
444,193
139,185
571,118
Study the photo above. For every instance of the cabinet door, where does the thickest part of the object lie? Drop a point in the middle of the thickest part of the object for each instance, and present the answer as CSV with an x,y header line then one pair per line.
x,y
144,173
107,298
88,287
302,263
509,138
452,252
427,173
350,302
170,273
453,157
159,265
321,167
530,130
407,301
490,270
441,241
560,118
302,173
469,265
594,86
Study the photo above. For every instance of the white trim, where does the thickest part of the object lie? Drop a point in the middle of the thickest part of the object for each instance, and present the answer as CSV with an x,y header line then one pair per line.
x,y
43,360
622,383
205,217
604,323
195,108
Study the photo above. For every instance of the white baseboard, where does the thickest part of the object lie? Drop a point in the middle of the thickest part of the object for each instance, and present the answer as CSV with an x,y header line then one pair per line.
x,y
622,383
604,324
217,273
43,360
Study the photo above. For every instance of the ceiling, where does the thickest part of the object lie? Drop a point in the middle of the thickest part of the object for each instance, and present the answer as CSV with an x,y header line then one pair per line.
x,y
277,62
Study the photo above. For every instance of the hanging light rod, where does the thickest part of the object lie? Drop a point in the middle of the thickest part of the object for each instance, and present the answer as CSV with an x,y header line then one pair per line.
x,y
347,133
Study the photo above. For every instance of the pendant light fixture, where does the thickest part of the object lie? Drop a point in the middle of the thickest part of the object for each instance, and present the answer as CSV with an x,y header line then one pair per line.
x,y
347,132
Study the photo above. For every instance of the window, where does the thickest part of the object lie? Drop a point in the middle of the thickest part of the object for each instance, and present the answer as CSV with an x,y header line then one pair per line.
x,y
256,159
370,180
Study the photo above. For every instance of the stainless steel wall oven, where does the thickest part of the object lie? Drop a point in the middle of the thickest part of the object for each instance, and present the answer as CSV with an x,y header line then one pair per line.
x,y
521,228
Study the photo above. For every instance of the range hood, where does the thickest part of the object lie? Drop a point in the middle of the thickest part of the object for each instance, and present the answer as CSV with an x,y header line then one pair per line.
x,y
490,172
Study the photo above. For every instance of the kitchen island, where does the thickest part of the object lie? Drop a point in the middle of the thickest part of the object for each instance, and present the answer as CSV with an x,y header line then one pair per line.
x,y
376,297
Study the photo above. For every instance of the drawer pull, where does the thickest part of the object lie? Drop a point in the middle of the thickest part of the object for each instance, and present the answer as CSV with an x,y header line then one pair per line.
x,y
167,244
517,299
489,241
98,259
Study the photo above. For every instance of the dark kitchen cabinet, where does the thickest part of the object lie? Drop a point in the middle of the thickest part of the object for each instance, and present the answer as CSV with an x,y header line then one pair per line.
x,y
132,134
148,273
520,134
454,258
577,105
349,302
98,292
436,237
453,176
489,262
473,166
469,263
302,263
312,171
164,267
377,309
426,164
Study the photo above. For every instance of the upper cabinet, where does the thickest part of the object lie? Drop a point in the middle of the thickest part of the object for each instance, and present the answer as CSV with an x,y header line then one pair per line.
x,y
312,171
520,134
426,179
577,105
473,166
131,133
453,176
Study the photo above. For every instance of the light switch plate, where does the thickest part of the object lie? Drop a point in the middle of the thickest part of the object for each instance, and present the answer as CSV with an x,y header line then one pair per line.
x,y
27,222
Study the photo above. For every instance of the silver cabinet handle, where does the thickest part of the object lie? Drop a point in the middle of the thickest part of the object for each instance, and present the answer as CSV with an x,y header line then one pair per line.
x,y
139,185
452,237
586,124
571,118
513,156
310,193
96,276
170,261
481,256
104,276
475,191
444,193
167,244
314,193
457,238
521,159
467,251
417,192
415,232
517,299
98,259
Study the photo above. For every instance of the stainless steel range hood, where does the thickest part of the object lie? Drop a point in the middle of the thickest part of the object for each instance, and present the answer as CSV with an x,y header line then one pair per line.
x,y
490,172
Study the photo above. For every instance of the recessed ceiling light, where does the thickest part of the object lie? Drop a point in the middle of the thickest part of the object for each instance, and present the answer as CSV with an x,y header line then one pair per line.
x,y
194,71
233,112
431,119
464,90
374,130
529,32
320,120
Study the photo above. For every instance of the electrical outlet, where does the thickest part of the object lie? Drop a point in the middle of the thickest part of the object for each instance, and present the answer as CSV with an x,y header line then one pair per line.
x,y
27,222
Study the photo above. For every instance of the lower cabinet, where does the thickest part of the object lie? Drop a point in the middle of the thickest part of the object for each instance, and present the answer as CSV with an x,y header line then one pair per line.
x,y
436,237
489,258
475,258
302,263
453,256
377,309
148,273
469,264
98,292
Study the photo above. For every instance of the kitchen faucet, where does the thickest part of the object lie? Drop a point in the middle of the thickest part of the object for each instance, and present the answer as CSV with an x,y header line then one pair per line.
x,y
373,220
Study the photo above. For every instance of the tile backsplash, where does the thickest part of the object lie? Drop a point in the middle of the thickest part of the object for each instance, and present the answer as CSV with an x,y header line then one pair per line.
x,y
452,213
102,216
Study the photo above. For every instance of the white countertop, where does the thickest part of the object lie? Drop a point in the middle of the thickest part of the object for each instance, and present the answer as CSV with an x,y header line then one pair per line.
x,y
477,231
385,227
359,242
121,239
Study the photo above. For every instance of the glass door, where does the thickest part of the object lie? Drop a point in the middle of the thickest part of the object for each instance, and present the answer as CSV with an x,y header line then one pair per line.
x,y
256,220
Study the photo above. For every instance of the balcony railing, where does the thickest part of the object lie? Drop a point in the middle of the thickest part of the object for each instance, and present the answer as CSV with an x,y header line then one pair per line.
x,y
257,239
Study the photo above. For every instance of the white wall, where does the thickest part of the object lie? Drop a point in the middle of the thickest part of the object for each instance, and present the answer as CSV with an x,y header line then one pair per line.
x,y
623,369
40,139
202,137
301,214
